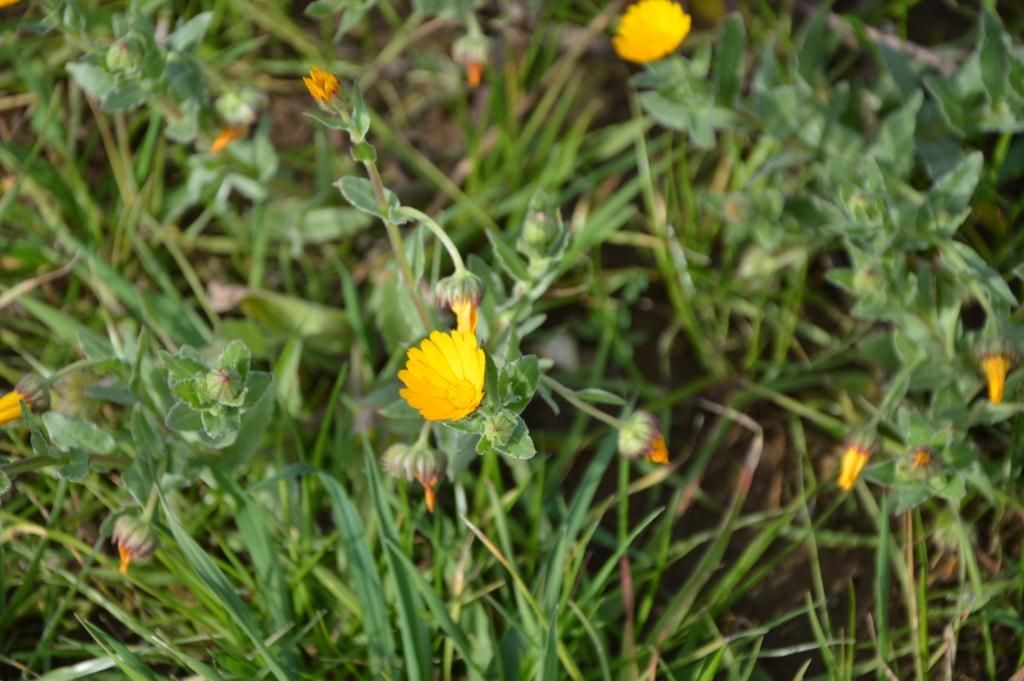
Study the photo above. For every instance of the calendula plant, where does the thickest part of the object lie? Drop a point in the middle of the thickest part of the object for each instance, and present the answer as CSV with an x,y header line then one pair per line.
x,y
475,395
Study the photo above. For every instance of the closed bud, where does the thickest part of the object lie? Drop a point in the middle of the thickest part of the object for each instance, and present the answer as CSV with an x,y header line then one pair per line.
x,y
135,540
641,437
34,391
499,427
122,55
543,233
461,292
221,385
471,52
418,462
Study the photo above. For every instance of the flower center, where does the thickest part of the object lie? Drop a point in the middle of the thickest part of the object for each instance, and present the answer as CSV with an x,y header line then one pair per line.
x,y
461,394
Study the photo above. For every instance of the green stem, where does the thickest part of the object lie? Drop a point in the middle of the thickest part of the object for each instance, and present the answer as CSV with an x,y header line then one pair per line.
x,y
154,495
570,397
75,366
34,463
438,232
395,237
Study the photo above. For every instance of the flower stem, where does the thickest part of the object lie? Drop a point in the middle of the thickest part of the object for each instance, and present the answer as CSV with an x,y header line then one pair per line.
x,y
395,237
438,232
570,397
147,512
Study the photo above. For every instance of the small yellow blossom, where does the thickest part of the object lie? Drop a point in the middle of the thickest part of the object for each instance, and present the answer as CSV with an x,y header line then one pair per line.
x,y
444,376
225,137
323,85
995,365
8,3
855,457
650,30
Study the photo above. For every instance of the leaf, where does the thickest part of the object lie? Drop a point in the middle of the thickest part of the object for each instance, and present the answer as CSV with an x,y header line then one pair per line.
x,y
184,418
728,69
360,115
75,465
226,596
599,396
517,382
220,422
288,388
331,122
993,56
235,357
128,662
360,193
184,365
95,81
256,384
191,33
519,445
507,257
70,432
894,144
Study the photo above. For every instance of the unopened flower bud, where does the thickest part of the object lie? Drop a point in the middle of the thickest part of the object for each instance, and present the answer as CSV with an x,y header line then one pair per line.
x,y
641,437
122,55
461,292
32,390
543,233
419,462
856,455
135,540
471,52
499,427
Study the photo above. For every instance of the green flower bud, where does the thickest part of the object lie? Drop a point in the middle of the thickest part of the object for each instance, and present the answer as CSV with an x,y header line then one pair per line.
x,y
122,55
135,540
421,463
499,427
641,437
221,385
543,234
461,286
34,391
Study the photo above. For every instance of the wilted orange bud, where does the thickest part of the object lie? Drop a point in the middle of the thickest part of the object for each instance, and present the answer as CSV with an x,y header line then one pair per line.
x,y
225,137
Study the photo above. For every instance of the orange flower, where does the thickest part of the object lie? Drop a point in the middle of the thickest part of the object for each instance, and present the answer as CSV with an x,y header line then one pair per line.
x,y
921,458
323,85
225,137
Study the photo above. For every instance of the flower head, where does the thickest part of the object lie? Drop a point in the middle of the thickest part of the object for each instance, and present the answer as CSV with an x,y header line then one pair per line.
x,y
855,457
135,540
461,292
444,376
32,390
650,30
471,52
922,458
225,137
323,85
641,436
420,463
8,3
995,366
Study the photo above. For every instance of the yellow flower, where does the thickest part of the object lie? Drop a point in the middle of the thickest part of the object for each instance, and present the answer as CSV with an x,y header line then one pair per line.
x,y
444,376
225,137
855,457
650,30
7,3
659,451
323,85
995,365
31,390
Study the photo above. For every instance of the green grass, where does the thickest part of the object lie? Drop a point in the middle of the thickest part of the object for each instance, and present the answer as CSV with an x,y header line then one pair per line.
x,y
688,288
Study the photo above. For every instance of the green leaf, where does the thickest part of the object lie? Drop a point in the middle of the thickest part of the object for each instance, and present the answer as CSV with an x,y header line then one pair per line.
x,y
729,53
364,153
191,33
359,192
599,396
70,432
360,116
193,392
184,365
95,81
507,257
184,418
517,382
125,96
256,384
128,662
289,391
226,596
235,357
220,422
75,466
993,55
519,445
5,484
